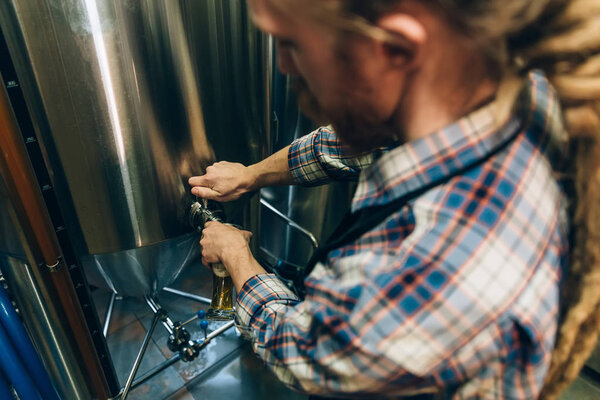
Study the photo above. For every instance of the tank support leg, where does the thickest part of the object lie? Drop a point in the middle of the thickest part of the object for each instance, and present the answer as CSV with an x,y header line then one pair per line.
x,y
187,295
141,353
109,312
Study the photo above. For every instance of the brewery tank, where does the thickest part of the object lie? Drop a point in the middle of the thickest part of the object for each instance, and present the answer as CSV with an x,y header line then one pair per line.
x,y
129,99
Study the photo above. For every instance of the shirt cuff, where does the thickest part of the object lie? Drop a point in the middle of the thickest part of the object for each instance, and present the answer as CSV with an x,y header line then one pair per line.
x,y
303,162
255,294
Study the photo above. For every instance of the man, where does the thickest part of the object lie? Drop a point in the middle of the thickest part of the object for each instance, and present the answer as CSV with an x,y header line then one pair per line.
x,y
445,278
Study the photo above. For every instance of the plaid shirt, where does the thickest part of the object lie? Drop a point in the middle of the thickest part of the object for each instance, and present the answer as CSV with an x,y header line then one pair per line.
x,y
457,289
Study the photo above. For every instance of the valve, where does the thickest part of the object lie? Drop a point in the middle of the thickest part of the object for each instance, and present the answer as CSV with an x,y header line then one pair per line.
x,y
204,327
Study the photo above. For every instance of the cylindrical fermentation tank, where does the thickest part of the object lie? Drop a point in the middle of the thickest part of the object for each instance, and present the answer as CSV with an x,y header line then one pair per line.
x,y
129,99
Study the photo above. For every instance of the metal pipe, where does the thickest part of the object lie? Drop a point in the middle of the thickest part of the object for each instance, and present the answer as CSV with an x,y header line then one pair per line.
x,y
109,311
155,307
141,353
217,332
291,223
13,368
189,321
187,295
20,339
154,371
201,343
199,315
5,392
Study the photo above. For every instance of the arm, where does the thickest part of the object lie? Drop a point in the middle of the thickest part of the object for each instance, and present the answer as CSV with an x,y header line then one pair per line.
x,y
313,159
225,181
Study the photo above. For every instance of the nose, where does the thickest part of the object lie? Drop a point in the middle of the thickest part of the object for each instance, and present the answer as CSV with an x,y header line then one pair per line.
x,y
285,61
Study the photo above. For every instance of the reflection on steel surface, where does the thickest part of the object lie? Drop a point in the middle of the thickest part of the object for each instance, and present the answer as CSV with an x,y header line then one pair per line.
x,y
130,99
111,103
136,272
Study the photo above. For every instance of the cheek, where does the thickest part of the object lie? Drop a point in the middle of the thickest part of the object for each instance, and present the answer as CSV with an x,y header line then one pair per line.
x,y
389,99
372,82
382,95
364,99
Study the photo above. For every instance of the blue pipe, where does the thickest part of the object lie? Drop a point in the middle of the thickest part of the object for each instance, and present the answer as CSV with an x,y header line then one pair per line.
x,y
15,371
5,393
20,341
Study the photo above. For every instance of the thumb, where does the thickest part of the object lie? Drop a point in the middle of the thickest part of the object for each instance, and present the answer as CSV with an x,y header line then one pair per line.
x,y
205,193
247,235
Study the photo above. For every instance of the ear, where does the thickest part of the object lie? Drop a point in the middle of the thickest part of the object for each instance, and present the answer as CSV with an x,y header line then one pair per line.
x,y
411,34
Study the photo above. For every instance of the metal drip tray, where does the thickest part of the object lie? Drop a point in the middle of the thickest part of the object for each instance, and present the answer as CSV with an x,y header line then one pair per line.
x,y
144,270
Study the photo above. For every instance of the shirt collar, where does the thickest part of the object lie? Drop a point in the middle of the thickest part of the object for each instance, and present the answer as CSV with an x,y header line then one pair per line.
x,y
413,165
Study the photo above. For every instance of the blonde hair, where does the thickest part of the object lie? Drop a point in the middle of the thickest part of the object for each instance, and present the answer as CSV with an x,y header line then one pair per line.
x,y
562,38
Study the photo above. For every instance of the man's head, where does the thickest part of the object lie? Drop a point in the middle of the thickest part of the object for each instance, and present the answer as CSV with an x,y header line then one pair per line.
x,y
339,74
386,70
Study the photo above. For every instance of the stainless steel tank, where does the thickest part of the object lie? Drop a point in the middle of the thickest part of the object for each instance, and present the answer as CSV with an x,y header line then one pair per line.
x,y
130,98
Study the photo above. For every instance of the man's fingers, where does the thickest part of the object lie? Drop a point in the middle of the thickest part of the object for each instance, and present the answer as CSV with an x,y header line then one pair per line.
x,y
198,181
247,235
205,193
203,188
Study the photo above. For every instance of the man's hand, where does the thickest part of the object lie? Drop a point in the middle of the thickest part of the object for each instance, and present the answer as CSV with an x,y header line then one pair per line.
x,y
223,181
230,246
222,242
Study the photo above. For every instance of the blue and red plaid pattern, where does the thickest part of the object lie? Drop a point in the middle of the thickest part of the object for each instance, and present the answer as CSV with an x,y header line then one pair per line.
x,y
457,289
319,158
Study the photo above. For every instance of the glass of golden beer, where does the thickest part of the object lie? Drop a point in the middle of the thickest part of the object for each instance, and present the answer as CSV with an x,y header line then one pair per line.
x,y
221,305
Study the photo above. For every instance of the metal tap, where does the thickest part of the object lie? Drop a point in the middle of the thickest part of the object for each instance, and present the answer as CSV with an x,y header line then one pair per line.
x,y
201,214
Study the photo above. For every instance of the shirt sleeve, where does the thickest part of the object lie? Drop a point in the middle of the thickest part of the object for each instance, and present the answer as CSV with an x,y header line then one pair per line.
x,y
315,349
318,158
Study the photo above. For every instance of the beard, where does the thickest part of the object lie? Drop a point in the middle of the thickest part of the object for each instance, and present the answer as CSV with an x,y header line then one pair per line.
x,y
357,128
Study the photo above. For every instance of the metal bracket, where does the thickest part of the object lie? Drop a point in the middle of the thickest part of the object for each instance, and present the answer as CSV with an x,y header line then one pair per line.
x,y
291,223
56,266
